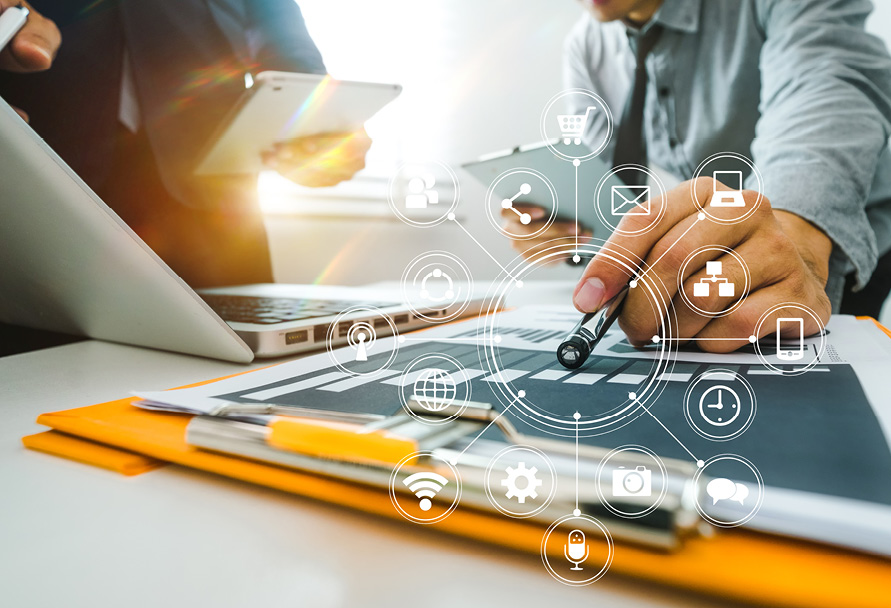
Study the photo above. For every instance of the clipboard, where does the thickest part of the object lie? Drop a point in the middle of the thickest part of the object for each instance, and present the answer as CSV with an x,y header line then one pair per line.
x,y
755,568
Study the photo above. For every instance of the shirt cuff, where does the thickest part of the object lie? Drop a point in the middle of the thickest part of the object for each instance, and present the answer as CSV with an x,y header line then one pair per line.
x,y
831,204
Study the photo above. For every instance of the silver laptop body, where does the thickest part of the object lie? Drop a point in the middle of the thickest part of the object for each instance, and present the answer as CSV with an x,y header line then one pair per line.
x,y
68,263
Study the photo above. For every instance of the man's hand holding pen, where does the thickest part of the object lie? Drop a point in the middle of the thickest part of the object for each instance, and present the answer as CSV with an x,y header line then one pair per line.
x,y
787,258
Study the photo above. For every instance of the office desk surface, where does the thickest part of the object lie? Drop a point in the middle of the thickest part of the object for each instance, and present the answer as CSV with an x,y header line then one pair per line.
x,y
73,535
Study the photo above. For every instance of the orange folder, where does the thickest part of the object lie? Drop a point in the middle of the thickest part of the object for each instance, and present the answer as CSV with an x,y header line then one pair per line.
x,y
734,564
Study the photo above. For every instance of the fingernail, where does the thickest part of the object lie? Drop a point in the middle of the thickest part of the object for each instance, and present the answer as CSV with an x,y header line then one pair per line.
x,y
590,296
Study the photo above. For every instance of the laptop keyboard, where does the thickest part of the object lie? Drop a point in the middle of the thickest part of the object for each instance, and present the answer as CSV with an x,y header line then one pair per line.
x,y
266,311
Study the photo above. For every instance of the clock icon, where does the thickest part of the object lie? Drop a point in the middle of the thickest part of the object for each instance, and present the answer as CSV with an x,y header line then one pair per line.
x,y
719,405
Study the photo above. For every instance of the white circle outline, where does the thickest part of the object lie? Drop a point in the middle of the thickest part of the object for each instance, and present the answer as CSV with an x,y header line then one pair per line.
x,y
410,301
435,222
732,307
820,350
603,570
662,195
724,422
634,514
513,400
752,400
696,495
742,159
333,327
497,225
488,484
402,511
566,93
438,420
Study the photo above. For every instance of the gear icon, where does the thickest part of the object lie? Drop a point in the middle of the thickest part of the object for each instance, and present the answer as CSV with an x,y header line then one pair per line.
x,y
528,489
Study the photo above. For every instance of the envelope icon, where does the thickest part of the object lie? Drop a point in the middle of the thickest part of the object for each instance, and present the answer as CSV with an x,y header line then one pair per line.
x,y
630,200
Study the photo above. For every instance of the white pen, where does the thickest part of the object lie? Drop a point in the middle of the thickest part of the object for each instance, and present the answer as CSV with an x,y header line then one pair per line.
x,y
11,21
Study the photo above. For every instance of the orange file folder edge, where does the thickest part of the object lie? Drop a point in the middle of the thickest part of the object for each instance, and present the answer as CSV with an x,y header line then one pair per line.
x,y
754,568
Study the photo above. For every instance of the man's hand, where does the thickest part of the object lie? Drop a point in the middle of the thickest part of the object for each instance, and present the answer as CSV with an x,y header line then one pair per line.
x,y
528,247
321,160
787,258
34,47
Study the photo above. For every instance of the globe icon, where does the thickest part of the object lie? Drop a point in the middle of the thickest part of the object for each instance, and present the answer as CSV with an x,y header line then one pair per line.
x,y
435,389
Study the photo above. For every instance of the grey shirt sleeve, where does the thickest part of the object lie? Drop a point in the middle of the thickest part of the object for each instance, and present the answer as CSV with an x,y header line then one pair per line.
x,y
825,119
593,60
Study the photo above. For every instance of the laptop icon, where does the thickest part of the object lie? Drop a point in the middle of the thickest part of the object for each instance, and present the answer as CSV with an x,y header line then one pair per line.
x,y
728,198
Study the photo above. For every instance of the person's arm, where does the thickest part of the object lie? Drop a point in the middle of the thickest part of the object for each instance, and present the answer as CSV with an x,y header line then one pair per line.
x,y
591,62
826,89
281,41
825,112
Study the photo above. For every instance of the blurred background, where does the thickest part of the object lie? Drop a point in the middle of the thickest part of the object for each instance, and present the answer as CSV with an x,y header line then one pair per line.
x,y
476,76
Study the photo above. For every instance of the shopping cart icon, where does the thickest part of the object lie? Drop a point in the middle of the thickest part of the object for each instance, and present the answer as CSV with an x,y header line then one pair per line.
x,y
573,125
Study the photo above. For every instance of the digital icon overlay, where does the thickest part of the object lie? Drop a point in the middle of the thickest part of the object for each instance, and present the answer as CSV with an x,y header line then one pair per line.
x,y
437,286
434,388
714,270
577,550
368,353
726,203
702,279
425,488
572,126
613,203
789,339
729,490
423,194
630,200
732,197
631,481
509,189
520,481
720,404
571,117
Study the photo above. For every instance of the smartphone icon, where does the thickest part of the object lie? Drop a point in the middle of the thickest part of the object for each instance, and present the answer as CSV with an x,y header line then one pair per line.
x,y
791,346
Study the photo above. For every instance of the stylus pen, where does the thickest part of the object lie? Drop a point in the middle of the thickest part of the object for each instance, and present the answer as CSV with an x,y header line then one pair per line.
x,y
575,349
11,21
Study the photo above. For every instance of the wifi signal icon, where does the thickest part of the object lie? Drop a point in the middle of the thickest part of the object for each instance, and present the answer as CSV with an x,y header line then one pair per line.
x,y
425,485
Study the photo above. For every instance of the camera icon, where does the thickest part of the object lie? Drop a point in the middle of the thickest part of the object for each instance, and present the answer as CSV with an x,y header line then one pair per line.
x,y
633,482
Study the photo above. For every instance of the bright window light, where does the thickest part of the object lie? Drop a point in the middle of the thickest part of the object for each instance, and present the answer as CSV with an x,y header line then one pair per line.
x,y
394,41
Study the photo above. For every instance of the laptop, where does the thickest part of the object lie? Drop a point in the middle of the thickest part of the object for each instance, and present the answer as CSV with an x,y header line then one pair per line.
x,y
68,263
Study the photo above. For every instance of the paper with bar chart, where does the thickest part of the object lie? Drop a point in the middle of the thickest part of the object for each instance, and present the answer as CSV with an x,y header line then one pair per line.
x,y
839,403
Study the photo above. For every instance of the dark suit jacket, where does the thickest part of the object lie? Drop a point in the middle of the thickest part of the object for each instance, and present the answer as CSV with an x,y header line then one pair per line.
x,y
188,59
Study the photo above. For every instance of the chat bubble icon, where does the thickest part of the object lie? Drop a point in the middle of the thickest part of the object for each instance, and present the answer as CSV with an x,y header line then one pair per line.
x,y
721,488
742,492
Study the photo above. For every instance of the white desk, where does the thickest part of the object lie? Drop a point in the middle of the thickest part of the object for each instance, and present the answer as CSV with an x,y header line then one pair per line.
x,y
73,535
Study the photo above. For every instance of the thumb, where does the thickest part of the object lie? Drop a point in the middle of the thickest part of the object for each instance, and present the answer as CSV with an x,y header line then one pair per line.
x,y
604,277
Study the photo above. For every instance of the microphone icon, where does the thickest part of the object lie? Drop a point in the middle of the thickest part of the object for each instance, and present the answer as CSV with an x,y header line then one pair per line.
x,y
576,549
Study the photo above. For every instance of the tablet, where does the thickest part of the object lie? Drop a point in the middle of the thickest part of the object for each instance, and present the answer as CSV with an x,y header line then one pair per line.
x,y
538,158
281,106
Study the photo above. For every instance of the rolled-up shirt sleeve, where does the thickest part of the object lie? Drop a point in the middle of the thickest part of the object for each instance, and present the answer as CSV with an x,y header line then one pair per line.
x,y
825,119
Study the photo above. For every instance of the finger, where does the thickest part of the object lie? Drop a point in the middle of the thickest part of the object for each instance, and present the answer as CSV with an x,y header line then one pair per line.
x,y
23,114
726,334
703,290
603,278
635,238
34,47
